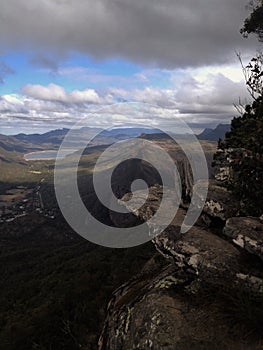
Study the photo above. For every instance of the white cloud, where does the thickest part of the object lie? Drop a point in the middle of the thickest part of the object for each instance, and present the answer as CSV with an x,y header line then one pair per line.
x,y
11,104
214,92
203,98
194,93
54,92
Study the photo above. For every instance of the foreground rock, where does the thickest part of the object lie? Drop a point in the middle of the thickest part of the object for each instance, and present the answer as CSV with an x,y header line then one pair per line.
x,y
134,312
210,257
247,233
192,298
219,204
156,311
182,305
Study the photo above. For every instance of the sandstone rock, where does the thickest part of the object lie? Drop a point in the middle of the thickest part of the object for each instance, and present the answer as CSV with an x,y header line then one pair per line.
x,y
200,251
182,305
155,310
220,203
247,233
145,203
124,311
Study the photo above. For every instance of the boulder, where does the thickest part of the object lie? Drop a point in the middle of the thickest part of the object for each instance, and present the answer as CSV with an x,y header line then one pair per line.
x,y
192,298
181,305
219,203
247,233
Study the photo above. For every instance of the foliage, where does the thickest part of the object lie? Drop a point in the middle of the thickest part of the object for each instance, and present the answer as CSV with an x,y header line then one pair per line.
x,y
253,74
246,130
243,154
254,23
243,146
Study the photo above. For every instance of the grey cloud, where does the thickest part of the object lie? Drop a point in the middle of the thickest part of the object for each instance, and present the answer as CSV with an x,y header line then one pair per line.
x,y
45,62
163,33
4,71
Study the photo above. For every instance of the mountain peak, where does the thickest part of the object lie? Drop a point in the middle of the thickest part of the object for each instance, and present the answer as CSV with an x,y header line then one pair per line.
x,y
214,134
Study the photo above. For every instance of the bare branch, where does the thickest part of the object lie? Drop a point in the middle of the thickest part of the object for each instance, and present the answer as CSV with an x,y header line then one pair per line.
x,y
253,74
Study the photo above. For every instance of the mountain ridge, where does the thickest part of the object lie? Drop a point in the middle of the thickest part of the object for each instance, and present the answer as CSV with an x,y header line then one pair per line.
x,y
214,134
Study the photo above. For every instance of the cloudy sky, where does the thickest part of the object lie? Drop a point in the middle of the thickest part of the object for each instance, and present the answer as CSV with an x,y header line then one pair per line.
x,y
60,60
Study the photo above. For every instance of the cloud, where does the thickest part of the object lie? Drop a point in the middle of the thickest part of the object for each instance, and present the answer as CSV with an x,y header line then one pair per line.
x,y
45,62
54,92
192,94
215,94
199,98
11,104
4,71
150,94
165,34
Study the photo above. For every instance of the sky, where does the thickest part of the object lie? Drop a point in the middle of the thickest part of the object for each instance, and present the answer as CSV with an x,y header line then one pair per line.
x,y
63,60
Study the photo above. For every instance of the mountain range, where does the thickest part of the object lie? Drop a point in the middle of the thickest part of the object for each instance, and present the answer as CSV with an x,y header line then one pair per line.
x,y
214,134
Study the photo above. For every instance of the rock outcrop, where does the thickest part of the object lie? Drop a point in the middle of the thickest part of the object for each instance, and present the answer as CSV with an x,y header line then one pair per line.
x,y
192,298
219,204
166,310
247,233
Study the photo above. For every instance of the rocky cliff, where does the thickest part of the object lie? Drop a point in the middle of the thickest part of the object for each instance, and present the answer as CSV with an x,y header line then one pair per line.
x,y
202,290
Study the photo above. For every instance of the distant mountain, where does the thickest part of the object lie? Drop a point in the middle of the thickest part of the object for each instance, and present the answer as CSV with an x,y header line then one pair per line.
x,y
13,144
55,137
52,139
214,134
12,164
206,132
130,132
155,136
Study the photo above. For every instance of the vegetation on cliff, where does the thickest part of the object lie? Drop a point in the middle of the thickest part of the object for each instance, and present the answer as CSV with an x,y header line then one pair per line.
x,y
242,149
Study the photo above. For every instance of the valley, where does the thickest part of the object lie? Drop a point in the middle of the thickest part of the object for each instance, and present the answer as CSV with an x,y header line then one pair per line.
x,y
131,172
62,282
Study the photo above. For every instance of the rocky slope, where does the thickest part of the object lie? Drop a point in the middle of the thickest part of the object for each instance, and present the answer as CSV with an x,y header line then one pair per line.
x,y
206,294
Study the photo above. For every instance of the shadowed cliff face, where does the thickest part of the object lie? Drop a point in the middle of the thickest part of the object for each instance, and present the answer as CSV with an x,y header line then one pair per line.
x,y
134,168
124,173
202,295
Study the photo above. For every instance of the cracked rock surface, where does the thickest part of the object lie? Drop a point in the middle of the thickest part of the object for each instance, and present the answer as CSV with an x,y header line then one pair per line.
x,y
247,233
186,297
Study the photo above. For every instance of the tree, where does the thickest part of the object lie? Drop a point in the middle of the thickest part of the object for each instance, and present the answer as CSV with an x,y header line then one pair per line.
x,y
254,23
242,150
